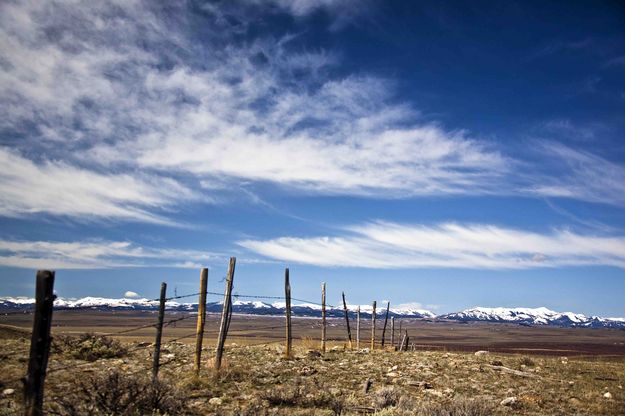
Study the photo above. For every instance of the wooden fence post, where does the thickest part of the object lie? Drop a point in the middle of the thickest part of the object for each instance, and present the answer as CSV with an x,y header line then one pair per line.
x,y
39,344
388,306
159,331
349,331
393,331
407,341
201,319
358,328
323,317
373,327
399,340
287,297
225,314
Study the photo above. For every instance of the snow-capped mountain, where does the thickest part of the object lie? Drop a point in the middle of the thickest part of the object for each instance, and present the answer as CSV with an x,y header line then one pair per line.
x,y
522,316
238,306
534,316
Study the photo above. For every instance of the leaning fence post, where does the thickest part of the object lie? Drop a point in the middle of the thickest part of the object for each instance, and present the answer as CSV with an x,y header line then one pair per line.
x,y
39,344
159,331
399,337
287,297
358,328
349,331
225,314
323,317
388,306
201,318
402,341
393,331
373,327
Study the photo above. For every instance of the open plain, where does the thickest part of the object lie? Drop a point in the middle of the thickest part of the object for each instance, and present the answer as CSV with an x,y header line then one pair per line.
x,y
527,370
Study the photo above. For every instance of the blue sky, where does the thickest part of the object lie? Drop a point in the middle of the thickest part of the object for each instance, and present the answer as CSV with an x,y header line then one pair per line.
x,y
438,153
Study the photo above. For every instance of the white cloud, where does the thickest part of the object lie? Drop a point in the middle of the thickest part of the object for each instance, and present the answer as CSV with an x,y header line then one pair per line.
x,y
97,254
53,187
131,294
580,175
96,93
391,245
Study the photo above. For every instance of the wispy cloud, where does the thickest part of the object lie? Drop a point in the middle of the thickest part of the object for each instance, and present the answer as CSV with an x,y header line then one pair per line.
x,y
111,112
578,174
97,254
53,187
449,245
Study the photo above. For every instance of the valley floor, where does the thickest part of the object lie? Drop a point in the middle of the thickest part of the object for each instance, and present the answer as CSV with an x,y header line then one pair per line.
x,y
258,380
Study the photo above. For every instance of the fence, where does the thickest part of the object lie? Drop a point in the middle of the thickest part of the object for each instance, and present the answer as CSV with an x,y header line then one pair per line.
x,y
44,308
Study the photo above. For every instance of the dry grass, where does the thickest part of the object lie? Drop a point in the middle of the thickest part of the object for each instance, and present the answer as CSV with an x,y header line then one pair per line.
x,y
257,380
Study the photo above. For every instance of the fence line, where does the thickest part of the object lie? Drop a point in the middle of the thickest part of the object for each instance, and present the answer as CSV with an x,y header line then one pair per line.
x,y
227,313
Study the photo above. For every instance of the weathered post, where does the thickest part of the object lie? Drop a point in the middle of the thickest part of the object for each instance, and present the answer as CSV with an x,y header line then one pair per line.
x,y
287,297
402,341
323,317
393,331
407,341
399,337
358,328
39,344
349,331
373,327
388,306
201,318
159,332
225,314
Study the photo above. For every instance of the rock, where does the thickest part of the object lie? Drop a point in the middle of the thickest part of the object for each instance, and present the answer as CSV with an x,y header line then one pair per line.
x,y
392,374
481,353
607,395
433,392
508,401
393,368
575,402
8,392
497,363
215,401
313,353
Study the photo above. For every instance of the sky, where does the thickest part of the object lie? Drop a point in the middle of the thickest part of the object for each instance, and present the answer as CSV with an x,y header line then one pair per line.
x,y
442,155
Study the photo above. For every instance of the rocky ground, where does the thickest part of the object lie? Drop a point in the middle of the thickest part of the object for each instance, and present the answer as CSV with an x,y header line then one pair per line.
x,y
260,380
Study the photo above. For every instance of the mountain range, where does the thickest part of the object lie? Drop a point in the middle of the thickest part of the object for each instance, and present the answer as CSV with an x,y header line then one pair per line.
x,y
522,316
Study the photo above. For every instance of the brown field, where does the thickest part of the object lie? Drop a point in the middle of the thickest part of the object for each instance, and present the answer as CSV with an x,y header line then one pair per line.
x,y
548,371
425,334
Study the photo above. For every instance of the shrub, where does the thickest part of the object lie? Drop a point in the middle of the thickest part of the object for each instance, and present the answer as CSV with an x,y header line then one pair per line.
x,y
386,397
527,361
458,407
90,347
115,393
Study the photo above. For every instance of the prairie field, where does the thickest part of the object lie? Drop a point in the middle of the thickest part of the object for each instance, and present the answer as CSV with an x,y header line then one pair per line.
x,y
521,370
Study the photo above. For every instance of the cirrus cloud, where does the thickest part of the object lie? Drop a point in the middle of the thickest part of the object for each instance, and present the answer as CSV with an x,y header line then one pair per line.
x,y
386,245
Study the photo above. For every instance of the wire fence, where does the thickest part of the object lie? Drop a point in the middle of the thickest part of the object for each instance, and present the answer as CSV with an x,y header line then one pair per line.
x,y
254,335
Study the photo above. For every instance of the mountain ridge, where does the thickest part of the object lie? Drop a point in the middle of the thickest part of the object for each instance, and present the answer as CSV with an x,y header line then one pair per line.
x,y
524,316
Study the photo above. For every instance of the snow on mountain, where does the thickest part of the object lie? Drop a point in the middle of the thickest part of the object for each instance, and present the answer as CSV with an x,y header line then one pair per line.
x,y
533,316
523,316
238,306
